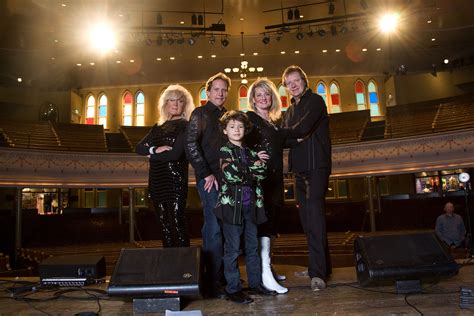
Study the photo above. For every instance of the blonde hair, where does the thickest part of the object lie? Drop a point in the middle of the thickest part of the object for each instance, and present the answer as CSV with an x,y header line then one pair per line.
x,y
175,91
267,86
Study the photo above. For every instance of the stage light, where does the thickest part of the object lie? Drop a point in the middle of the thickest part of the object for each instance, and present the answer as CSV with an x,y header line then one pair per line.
x,y
102,38
331,8
180,41
224,42
170,41
434,72
299,36
290,14
388,23
321,32
446,61
266,39
191,41
212,40
402,70
297,14
343,30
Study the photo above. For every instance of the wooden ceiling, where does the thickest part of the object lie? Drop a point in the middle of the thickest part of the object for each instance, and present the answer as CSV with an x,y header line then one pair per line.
x,y
42,40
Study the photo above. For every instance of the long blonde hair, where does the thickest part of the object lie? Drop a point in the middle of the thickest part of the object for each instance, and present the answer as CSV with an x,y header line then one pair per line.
x,y
175,91
267,86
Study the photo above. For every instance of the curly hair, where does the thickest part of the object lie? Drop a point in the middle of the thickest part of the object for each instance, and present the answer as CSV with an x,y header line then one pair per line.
x,y
175,91
238,116
269,87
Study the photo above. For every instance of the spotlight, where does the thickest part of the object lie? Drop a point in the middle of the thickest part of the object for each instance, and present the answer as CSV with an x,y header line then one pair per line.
x,y
266,39
433,72
402,70
191,41
170,41
180,41
159,19
343,30
290,14
331,8
333,30
299,35
321,32
224,42
446,61
193,19
212,40
297,14
363,4
200,19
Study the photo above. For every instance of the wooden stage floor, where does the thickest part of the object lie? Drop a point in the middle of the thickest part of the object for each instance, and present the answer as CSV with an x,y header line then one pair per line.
x,y
342,297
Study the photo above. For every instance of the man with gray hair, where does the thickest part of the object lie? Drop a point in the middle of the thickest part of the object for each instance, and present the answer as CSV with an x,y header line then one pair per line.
x,y
450,227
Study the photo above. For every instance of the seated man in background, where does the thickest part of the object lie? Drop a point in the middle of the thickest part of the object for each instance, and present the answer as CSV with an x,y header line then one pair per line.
x,y
450,227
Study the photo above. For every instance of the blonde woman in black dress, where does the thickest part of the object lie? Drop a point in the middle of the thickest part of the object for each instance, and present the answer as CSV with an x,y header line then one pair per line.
x,y
168,176
266,135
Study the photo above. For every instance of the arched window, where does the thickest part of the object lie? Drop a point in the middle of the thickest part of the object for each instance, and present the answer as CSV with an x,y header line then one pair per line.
x,y
140,109
103,110
373,99
243,101
322,90
127,109
283,97
335,98
90,112
359,88
202,96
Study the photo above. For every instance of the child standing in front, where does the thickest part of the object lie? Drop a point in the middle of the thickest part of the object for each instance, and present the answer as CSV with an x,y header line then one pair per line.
x,y
240,206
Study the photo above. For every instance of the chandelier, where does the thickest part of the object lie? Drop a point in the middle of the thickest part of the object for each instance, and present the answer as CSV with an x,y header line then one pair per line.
x,y
244,65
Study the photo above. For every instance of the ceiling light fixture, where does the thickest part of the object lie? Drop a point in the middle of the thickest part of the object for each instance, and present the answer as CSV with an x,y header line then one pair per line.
x,y
244,65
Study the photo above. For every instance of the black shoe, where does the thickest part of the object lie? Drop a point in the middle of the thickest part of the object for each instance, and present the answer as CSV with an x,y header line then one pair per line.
x,y
217,292
239,297
261,290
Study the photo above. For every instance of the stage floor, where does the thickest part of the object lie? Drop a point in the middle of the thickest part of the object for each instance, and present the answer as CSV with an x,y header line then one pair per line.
x,y
342,297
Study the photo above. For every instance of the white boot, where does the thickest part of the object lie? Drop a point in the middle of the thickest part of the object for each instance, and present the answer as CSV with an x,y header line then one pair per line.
x,y
267,276
278,277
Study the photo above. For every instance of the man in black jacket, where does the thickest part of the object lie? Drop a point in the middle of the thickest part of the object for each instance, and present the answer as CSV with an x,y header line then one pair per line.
x,y
310,161
203,143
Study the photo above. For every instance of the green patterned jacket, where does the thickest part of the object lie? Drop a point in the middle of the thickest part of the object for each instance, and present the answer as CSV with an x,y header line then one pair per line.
x,y
235,175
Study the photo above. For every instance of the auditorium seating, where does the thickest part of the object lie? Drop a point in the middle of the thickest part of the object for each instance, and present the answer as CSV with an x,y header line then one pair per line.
x,y
347,127
453,116
410,119
81,137
134,134
29,134
415,119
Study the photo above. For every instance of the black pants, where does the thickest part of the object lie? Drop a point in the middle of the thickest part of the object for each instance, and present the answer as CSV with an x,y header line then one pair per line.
x,y
173,223
311,187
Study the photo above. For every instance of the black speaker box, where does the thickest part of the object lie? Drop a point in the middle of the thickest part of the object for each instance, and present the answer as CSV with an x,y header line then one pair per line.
x,y
383,260
156,272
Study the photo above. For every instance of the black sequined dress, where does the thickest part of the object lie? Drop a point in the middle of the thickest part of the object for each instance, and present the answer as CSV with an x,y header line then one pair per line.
x,y
168,179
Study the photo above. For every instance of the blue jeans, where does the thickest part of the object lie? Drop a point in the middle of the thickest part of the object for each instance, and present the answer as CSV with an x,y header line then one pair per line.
x,y
211,234
232,234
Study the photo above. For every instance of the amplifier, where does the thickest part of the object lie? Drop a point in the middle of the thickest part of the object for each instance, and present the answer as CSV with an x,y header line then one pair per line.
x,y
74,270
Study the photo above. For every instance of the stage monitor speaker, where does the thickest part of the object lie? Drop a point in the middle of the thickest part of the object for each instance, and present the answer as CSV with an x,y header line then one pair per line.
x,y
157,272
383,260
